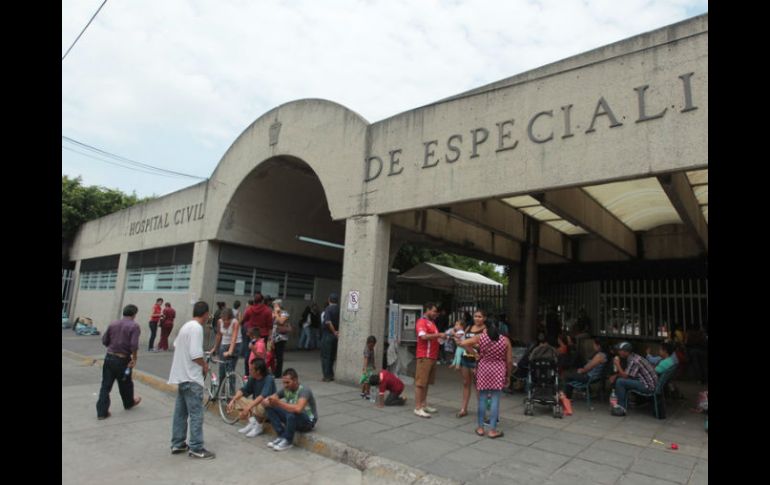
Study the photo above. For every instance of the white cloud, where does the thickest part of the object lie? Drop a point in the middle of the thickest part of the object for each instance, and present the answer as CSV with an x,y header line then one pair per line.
x,y
196,73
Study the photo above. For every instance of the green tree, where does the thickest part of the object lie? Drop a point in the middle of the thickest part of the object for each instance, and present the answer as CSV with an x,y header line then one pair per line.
x,y
80,204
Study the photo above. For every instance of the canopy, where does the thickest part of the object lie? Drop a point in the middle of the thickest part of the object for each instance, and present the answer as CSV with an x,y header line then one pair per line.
x,y
434,275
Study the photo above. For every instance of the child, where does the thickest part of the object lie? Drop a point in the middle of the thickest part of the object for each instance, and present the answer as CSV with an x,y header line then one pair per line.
x,y
390,382
458,332
259,349
368,366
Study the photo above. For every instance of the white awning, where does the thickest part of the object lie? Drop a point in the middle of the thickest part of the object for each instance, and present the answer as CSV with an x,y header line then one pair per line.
x,y
434,275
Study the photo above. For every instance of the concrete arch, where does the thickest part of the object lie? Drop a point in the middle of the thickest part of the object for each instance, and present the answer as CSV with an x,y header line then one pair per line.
x,y
330,138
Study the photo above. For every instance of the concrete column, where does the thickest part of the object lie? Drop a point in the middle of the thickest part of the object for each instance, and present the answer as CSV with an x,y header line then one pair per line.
x,y
365,269
120,288
203,277
530,296
75,291
515,311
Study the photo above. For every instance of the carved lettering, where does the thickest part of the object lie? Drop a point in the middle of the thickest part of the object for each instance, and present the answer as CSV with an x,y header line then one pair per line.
x,y
502,135
605,110
368,162
642,109
453,148
477,141
429,153
394,161
532,123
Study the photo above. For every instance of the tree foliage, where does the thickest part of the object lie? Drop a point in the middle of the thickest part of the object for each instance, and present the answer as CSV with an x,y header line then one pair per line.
x,y
80,204
410,256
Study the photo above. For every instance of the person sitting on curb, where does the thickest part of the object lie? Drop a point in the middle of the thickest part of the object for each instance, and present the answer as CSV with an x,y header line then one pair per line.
x,y
639,374
296,413
260,386
388,381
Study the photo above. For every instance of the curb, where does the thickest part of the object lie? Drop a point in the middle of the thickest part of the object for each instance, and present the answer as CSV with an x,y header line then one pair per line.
x,y
376,469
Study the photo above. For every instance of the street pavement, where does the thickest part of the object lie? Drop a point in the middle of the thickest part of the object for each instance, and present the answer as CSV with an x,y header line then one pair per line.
x,y
133,446
586,448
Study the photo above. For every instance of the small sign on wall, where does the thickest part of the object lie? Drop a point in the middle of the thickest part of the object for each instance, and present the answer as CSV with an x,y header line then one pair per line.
x,y
354,297
308,297
240,287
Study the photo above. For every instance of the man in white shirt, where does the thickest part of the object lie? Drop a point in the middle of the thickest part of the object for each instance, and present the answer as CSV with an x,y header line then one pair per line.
x,y
187,371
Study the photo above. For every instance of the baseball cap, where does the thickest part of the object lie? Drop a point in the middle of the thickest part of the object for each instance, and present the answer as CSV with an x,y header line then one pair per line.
x,y
624,346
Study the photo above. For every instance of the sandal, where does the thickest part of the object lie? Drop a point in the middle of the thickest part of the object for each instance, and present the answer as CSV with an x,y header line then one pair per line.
x,y
480,431
495,436
461,414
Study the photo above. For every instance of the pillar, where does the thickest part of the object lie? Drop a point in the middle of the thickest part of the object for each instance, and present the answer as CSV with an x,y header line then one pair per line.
x,y
364,269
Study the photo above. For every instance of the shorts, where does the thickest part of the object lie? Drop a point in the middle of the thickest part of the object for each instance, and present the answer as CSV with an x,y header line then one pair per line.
x,y
425,372
468,363
258,411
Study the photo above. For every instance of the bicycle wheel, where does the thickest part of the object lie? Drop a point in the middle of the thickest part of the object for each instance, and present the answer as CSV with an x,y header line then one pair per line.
x,y
227,390
208,390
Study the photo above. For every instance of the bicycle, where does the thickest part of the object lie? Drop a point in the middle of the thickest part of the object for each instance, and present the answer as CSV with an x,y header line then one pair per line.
x,y
221,389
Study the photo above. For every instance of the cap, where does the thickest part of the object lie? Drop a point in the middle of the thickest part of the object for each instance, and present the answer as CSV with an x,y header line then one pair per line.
x,y
624,346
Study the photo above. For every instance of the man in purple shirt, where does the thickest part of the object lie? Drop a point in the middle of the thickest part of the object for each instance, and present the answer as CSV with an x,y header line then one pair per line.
x,y
122,342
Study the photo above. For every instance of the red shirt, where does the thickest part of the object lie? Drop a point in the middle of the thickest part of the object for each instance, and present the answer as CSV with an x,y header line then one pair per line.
x,y
169,314
390,382
156,313
259,316
426,348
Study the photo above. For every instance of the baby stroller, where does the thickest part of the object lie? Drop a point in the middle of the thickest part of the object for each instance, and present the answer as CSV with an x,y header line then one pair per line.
x,y
543,386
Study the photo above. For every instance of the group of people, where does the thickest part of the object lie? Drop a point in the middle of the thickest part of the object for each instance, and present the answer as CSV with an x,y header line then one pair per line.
x,y
483,356
291,409
163,317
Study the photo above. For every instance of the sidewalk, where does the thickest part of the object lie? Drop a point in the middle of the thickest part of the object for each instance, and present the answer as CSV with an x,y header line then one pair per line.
x,y
132,446
589,447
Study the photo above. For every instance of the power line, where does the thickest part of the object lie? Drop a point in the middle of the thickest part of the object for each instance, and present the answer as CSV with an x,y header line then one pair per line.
x,y
118,164
84,29
125,160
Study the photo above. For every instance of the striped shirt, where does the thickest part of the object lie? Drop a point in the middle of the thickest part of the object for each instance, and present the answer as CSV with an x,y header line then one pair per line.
x,y
640,369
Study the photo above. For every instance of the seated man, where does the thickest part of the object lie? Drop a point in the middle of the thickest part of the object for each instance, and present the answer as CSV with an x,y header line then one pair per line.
x,y
389,381
591,371
260,386
639,374
296,413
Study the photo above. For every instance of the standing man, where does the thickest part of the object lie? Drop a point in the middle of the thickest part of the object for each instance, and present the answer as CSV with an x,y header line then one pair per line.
x,y
122,342
427,354
329,335
259,316
166,325
157,312
187,372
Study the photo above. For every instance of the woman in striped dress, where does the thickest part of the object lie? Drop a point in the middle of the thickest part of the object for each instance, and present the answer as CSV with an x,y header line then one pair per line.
x,y
492,374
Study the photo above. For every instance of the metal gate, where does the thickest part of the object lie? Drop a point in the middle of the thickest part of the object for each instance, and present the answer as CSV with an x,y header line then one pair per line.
x,y
67,277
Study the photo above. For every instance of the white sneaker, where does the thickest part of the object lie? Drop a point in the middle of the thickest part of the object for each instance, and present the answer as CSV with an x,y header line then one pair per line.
x,y
429,409
255,431
282,445
271,444
250,426
421,413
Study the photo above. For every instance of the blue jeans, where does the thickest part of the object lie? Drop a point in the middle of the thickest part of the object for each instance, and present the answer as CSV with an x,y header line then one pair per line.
x,y
153,331
114,369
624,385
328,355
304,339
494,412
285,423
189,403
229,364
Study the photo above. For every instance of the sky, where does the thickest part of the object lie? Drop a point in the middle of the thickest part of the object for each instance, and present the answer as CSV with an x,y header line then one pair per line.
x,y
172,84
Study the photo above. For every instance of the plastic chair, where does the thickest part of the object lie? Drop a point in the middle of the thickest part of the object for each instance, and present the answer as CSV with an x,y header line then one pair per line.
x,y
659,388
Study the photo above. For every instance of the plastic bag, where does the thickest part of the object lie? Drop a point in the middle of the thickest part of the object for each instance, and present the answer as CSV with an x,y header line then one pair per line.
x,y
566,404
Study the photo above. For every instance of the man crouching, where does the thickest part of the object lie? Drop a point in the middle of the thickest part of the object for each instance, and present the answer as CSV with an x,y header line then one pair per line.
x,y
259,387
296,413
